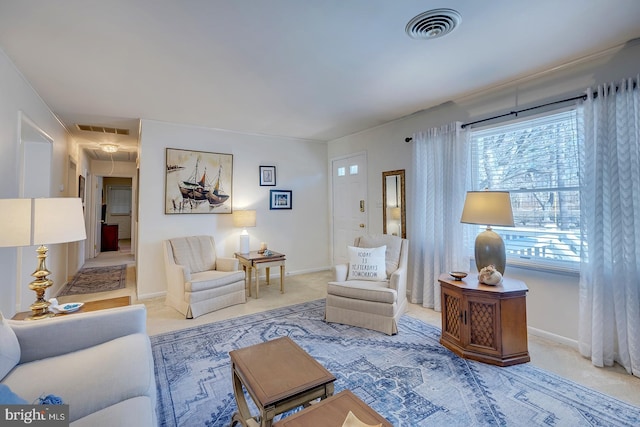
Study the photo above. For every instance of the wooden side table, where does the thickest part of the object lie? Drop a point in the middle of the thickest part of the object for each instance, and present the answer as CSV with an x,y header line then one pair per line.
x,y
485,323
254,260
87,307
279,376
332,412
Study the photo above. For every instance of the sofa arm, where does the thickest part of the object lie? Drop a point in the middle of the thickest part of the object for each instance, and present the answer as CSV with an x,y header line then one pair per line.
x,y
177,273
65,334
340,272
227,264
398,281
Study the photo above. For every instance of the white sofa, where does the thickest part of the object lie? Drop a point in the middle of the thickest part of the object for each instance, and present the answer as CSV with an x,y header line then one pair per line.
x,y
198,281
99,363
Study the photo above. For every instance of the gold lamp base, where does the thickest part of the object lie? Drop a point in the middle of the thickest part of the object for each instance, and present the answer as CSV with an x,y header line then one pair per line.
x,y
40,307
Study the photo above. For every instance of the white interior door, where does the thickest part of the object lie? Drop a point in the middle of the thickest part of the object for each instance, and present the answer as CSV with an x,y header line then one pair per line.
x,y
350,209
94,183
36,149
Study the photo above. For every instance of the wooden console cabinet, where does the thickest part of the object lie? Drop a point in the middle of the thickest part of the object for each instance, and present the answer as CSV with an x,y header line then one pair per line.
x,y
109,238
485,323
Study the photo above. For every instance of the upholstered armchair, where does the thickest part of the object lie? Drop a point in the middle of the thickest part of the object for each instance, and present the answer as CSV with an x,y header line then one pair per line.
x,y
370,291
198,281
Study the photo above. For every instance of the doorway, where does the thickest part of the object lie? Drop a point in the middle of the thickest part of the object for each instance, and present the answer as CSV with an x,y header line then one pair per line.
x,y
349,203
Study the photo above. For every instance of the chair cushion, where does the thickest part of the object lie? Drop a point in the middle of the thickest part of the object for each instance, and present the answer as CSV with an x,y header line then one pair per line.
x,y
198,253
9,348
367,263
212,279
364,290
393,244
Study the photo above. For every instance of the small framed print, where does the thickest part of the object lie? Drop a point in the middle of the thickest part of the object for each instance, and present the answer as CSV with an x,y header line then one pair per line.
x,y
267,176
280,199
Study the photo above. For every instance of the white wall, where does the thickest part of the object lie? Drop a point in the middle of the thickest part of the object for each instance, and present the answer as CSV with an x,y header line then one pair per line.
x,y
17,95
552,301
301,166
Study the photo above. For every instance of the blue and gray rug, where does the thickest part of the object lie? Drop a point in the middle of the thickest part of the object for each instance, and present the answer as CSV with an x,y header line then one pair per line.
x,y
409,378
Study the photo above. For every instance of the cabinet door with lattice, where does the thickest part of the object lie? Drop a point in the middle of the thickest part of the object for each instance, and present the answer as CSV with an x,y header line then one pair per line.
x,y
483,326
452,319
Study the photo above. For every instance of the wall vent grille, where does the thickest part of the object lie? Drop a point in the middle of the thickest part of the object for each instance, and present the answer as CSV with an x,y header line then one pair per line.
x,y
102,129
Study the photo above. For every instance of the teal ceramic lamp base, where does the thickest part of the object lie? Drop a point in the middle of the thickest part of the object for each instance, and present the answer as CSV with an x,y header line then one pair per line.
x,y
490,250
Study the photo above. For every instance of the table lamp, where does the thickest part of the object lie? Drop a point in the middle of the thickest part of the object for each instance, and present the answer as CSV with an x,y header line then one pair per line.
x,y
244,219
46,221
488,208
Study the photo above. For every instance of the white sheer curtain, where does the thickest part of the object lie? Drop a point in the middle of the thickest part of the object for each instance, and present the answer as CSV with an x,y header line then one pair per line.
x,y
610,210
440,175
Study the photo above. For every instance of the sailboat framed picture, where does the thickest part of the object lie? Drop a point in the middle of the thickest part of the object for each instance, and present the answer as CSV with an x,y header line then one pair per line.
x,y
197,182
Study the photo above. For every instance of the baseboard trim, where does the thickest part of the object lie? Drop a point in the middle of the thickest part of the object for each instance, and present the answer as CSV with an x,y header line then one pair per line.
x,y
275,272
152,295
553,337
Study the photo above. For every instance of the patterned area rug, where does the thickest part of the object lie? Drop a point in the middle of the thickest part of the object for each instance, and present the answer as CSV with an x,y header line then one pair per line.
x,y
96,279
409,378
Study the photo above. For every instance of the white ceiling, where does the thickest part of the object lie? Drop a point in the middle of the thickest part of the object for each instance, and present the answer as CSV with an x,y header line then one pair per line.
x,y
314,69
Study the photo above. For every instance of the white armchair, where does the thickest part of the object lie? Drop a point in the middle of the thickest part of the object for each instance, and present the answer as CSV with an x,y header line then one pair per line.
x,y
198,281
373,304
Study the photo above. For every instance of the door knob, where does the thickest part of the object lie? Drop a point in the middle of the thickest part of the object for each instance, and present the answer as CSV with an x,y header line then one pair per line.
x,y
362,225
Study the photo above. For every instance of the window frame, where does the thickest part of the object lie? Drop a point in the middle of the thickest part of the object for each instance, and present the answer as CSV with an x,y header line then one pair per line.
x,y
570,267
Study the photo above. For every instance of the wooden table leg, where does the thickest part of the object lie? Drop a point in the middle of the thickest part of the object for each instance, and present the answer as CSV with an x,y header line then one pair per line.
x,y
257,268
247,276
268,270
282,278
243,414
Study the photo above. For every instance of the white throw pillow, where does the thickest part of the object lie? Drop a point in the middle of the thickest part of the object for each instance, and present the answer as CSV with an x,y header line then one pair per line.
x,y
367,263
9,348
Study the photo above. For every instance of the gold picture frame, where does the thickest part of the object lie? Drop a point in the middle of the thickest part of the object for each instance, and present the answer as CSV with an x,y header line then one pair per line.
x,y
198,182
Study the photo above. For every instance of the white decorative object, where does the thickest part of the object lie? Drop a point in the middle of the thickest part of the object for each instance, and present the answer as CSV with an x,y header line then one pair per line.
x,y
367,263
489,276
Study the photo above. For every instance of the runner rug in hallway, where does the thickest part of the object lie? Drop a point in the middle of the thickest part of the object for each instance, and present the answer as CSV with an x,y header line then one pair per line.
x,y
96,279
409,378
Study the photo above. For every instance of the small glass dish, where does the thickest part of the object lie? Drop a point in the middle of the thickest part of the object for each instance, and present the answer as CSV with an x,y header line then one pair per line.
x,y
458,275
69,307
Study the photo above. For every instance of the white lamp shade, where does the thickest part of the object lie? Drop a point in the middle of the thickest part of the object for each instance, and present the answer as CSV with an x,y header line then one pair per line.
x,y
488,208
242,219
27,222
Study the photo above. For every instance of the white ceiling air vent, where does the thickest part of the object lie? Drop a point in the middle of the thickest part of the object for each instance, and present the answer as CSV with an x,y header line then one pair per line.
x,y
102,129
433,23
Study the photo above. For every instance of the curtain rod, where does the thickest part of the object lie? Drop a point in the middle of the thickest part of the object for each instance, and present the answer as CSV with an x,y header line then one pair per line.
x,y
516,112
634,85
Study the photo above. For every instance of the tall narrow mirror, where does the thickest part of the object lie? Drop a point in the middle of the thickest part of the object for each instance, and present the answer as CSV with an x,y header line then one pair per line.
x,y
393,210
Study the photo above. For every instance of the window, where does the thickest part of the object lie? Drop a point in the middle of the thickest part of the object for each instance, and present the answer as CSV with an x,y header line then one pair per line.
x,y
119,200
536,160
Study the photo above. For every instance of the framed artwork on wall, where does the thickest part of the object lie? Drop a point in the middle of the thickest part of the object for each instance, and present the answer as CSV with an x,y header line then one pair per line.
x,y
197,182
280,199
267,176
81,188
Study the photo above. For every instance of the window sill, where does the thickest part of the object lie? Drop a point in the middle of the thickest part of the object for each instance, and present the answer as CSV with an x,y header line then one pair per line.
x,y
545,267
